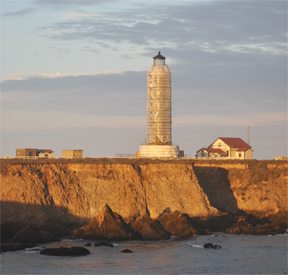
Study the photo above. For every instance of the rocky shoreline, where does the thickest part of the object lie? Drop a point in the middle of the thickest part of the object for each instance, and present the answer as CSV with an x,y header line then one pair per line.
x,y
139,199
110,226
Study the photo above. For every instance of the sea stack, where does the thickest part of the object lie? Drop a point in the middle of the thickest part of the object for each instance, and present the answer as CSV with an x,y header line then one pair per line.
x,y
159,136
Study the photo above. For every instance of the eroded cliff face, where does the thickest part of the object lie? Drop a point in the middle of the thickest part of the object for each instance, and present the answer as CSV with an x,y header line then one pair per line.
x,y
258,189
76,192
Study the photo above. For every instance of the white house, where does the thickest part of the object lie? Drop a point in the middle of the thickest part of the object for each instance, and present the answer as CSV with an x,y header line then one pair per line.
x,y
45,153
233,148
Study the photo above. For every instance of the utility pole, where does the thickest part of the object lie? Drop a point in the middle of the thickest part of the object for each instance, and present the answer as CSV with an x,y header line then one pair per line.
x,y
248,135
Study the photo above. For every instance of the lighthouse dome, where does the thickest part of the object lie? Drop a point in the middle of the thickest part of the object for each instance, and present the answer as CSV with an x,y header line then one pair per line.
x,y
159,60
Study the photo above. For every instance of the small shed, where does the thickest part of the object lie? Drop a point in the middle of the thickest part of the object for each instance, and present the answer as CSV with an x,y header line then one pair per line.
x,y
26,152
71,154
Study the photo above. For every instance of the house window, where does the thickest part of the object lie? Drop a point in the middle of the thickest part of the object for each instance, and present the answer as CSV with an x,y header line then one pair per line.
x,y
239,155
219,144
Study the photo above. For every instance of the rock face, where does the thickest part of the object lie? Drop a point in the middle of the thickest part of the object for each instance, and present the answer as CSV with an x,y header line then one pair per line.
x,y
32,235
106,225
77,192
59,196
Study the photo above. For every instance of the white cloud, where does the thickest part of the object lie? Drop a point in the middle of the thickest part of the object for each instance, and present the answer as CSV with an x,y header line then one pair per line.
x,y
275,48
79,15
22,76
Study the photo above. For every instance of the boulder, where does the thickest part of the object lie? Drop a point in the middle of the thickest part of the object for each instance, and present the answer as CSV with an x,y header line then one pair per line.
x,y
250,225
211,245
33,235
106,225
149,229
66,251
178,224
127,251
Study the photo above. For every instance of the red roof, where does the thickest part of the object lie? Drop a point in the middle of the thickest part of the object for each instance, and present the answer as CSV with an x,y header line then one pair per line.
x,y
235,143
44,151
214,150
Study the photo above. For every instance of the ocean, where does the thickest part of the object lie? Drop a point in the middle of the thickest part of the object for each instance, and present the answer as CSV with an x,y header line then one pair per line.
x,y
240,254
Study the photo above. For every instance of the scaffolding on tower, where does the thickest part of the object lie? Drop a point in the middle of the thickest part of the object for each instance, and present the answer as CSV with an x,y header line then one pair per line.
x,y
159,103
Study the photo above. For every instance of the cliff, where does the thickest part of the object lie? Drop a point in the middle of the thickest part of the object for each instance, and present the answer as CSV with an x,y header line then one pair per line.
x,y
73,192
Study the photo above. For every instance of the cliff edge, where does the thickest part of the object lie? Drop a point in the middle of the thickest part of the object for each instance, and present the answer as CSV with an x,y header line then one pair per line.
x,y
41,192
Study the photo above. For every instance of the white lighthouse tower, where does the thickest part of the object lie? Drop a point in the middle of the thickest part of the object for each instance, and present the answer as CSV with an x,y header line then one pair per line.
x,y
159,140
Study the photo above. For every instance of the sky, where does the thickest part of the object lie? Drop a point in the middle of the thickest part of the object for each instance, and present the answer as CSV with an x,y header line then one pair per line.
x,y
73,73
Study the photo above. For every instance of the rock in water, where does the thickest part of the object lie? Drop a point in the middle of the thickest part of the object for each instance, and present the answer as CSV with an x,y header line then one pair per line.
x,y
66,251
103,243
106,225
211,245
127,251
150,229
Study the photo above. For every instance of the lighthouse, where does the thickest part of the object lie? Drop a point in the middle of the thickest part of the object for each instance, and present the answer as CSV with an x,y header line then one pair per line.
x,y
159,103
159,137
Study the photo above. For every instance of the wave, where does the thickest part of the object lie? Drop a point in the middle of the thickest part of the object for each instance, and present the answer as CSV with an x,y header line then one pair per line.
x,y
195,245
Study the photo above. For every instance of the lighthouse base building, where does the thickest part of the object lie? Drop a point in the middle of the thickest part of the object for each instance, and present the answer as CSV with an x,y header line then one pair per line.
x,y
160,151
159,141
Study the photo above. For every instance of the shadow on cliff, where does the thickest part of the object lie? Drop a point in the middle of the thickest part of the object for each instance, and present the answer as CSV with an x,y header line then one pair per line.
x,y
217,187
53,219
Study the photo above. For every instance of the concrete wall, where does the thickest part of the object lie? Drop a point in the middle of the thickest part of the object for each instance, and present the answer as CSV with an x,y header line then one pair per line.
x,y
159,151
249,154
72,153
46,155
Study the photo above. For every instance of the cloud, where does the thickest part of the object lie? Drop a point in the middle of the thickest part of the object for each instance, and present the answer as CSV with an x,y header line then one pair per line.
x,y
22,12
182,26
66,3
104,93
223,100
276,48
79,15
22,76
